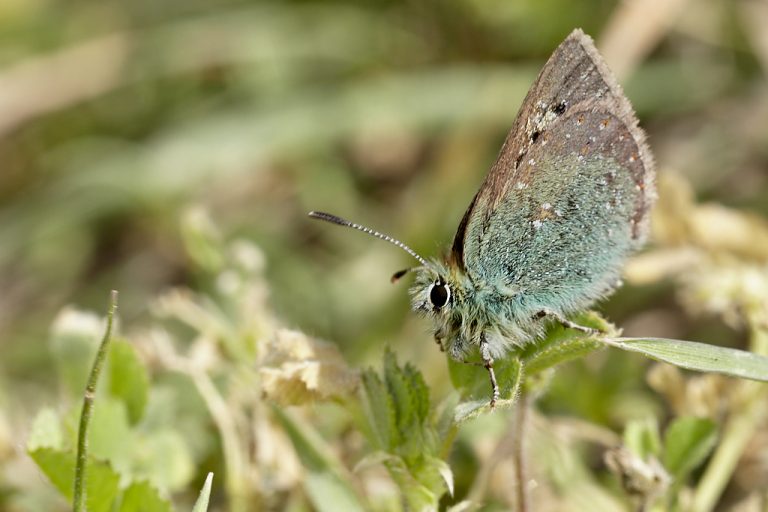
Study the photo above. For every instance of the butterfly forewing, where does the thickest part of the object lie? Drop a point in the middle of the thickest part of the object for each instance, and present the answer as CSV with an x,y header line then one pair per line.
x,y
568,196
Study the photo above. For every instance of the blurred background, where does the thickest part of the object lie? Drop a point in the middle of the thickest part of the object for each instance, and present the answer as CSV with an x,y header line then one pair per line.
x,y
123,125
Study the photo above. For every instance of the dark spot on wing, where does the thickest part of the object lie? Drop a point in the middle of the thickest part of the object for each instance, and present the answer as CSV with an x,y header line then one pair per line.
x,y
535,136
559,109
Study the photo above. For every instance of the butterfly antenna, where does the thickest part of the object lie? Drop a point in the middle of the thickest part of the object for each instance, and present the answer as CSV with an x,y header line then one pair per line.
x,y
333,219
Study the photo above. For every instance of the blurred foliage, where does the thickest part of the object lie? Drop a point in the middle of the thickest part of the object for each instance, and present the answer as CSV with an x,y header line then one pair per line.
x,y
171,150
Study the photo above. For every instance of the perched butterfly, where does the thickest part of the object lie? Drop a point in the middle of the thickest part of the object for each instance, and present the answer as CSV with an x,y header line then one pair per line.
x,y
547,233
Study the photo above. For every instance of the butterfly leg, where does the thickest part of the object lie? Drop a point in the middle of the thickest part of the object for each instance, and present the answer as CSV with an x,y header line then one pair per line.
x,y
565,322
488,365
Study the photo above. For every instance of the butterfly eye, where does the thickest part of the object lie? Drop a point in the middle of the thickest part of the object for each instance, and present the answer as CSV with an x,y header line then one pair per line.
x,y
439,294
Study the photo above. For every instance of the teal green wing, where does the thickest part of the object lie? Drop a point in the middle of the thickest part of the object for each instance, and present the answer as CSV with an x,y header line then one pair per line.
x,y
569,195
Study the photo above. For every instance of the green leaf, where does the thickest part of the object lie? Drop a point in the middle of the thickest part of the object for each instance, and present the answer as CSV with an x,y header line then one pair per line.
x,y
417,496
379,411
46,431
73,343
642,437
445,472
561,344
327,479
701,357
509,375
201,505
420,392
687,442
143,497
410,398
472,381
128,379
402,395
566,349
59,467
165,459
111,437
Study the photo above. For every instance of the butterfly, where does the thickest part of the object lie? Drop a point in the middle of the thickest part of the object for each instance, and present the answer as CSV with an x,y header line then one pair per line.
x,y
546,235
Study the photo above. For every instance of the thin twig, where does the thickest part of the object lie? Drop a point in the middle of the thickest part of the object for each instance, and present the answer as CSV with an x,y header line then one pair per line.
x,y
78,502
518,451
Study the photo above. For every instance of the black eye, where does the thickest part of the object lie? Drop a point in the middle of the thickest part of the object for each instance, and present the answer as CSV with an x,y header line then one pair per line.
x,y
439,295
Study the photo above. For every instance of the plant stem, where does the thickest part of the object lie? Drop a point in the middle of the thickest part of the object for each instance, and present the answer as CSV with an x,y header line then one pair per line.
x,y
518,451
78,502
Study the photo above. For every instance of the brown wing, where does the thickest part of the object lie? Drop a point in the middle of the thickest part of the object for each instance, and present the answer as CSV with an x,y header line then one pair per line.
x,y
574,84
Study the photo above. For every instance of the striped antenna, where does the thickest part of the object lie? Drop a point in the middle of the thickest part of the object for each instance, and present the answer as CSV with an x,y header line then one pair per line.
x,y
333,219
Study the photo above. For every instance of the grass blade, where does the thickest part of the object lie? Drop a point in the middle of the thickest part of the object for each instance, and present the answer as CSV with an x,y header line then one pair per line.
x,y
201,505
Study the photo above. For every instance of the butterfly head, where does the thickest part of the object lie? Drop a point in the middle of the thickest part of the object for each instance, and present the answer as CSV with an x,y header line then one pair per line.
x,y
437,287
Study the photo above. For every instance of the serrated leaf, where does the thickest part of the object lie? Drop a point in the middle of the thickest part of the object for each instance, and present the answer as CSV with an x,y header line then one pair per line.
x,y
379,411
128,379
700,357
420,391
143,497
402,395
687,442
46,431
201,505
59,467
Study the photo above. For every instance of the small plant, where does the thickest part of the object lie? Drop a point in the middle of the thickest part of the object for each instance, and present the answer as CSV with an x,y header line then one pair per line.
x,y
217,384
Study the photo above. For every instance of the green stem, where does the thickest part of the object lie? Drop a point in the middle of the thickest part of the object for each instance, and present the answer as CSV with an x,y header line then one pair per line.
x,y
518,451
78,502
